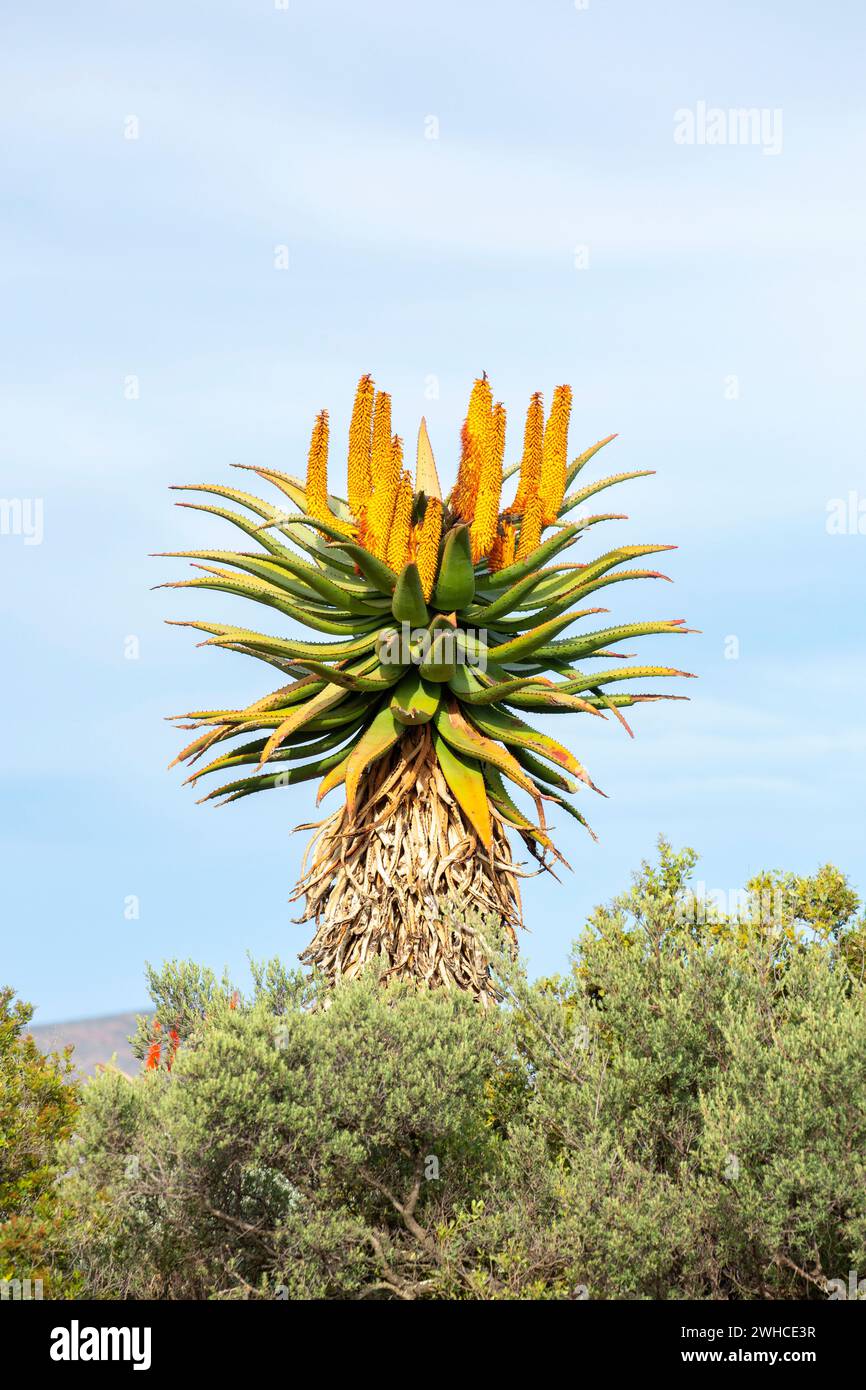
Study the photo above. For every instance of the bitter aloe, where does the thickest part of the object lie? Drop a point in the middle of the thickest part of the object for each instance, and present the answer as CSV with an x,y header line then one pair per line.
x,y
443,622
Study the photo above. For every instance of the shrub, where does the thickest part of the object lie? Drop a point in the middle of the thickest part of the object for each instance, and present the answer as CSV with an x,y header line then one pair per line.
x,y
681,1115
38,1103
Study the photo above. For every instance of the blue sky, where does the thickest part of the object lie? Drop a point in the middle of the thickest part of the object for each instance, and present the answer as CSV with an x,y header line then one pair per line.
x,y
554,231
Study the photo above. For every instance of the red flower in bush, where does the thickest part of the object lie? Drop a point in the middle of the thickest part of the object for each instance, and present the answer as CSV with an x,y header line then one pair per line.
x,y
151,1061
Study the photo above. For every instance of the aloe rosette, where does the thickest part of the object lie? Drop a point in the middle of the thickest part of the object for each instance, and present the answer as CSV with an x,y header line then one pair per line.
x,y
443,623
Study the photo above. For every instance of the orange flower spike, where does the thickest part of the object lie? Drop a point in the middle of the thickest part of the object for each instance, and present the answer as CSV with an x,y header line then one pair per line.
x,y
401,524
555,455
317,470
530,527
360,446
494,559
502,551
427,548
509,545
530,463
474,440
385,478
151,1062
486,515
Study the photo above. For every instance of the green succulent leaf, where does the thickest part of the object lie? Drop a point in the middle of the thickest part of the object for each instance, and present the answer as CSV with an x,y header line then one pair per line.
x,y
471,690
415,700
497,724
517,648
459,734
575,498
583,460
455,586
380,575
407,604
441,661
504,578
595,641
374,743
464,779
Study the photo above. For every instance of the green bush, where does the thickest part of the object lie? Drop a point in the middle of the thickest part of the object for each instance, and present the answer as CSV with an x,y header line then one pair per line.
x,y
38,1104
681,1115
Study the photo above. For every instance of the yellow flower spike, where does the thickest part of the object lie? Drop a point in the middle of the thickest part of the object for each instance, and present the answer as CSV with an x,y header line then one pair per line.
x,y
317,470
318,506
401,525
530,463
530,527
486,517
360,445
427,545
554,455
474,439
382,440
386,467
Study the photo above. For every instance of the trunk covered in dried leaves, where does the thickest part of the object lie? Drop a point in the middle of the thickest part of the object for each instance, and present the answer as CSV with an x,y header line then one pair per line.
x,y
407,879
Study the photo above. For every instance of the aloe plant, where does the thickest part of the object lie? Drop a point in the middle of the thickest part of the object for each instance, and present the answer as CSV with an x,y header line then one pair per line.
x,y
443,622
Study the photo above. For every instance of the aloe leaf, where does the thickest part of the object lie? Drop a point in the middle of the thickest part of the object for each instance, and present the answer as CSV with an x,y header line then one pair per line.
x,y
512,813
623,673
529,642
378,680
504,604
543,773
463,777
504,578
319,705
550,702
583,460
289,752
594,641
468,688
572,810
514,732
415,700
291,487
466,739
407,603
455,586
262,568
380,575
612,558
441,661
286,777
290,521
574,499
259,591
377,739
279,646
257,505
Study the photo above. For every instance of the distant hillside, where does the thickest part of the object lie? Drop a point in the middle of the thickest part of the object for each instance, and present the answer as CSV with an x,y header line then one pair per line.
x,y
94,1040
